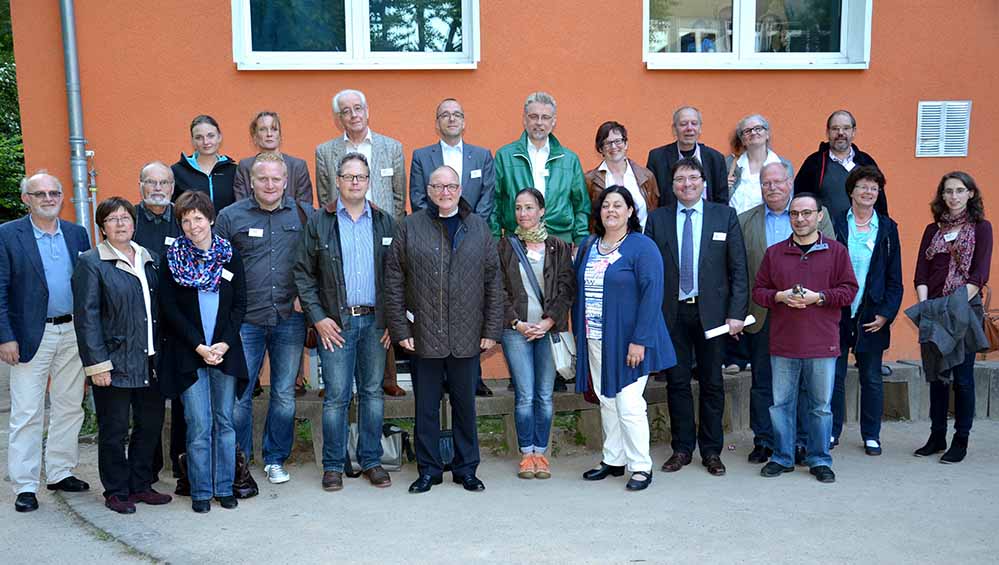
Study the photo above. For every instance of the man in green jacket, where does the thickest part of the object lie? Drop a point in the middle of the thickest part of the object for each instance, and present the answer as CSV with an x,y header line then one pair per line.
x,y
538,160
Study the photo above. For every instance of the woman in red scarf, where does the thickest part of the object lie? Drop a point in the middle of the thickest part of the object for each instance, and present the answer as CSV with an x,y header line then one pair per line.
x,y
955,252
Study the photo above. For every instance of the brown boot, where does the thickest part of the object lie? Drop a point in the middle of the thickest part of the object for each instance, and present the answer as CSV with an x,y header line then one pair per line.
x,y
389,384
243,485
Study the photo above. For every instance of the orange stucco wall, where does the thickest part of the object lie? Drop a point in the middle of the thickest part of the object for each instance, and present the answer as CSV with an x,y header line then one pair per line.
x,y
149,67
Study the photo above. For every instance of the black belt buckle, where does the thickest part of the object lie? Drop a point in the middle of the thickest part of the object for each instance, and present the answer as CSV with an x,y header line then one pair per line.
x,y
361,310
59,320
691,300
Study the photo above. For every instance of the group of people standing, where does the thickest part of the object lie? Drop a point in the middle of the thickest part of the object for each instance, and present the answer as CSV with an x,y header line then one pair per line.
x,y
653,269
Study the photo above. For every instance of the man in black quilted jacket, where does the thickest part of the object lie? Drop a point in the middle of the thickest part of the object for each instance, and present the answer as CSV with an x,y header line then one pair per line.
x,y
444,303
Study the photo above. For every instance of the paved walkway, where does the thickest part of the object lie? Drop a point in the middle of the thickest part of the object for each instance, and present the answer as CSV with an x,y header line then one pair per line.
x,y
892,509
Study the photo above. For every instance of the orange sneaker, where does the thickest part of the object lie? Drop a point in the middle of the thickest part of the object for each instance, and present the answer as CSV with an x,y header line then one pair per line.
x,y
526,470
541,468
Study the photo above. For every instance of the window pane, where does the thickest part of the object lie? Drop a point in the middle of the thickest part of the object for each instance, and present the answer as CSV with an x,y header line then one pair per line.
x,y
298,25
690,26
426,26
798,26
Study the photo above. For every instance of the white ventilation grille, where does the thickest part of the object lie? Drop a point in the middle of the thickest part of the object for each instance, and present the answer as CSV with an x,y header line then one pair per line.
x,y
942,128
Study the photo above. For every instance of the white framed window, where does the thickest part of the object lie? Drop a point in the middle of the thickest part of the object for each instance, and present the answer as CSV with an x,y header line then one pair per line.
x,y
355,34
942,128
756,34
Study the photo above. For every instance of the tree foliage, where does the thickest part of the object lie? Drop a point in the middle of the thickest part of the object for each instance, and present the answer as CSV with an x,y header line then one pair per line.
x,y
11,150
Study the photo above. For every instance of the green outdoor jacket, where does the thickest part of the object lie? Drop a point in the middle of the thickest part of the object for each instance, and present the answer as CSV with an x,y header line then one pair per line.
x,y
567,204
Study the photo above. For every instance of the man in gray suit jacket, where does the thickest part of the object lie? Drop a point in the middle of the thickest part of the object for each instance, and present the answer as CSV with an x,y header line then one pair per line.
x,y
384,154
473,164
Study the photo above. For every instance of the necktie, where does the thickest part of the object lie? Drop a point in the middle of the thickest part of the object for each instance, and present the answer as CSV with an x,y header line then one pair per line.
x,y
687,254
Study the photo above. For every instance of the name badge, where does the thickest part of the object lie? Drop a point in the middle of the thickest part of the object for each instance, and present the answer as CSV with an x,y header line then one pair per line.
x,y
168,240
410,317
950,236
386,241
546,173
613,257
719,236
387,172
870,244
534,255
256,232
227,274
476,173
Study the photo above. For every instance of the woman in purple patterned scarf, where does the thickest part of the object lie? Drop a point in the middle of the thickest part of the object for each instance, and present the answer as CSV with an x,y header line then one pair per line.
x,y
203,301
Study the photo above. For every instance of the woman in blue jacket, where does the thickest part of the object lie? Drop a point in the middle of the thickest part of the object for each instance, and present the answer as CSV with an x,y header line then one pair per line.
x,y
872,240
621,335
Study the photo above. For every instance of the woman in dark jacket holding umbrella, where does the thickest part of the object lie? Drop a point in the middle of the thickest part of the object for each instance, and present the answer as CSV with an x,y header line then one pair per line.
x,y
872,240
204,296
115,307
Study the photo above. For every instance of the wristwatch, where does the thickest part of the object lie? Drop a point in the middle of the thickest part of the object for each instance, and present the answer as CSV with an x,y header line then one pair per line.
x,y
822,299
514,324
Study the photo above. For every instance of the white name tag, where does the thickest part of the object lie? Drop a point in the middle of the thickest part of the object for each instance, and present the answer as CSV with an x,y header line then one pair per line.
x,y
719,236
613,257
950,236
227,274
168,240
256,232
476,173
387,172
410,317
870,244
546,172
534,255
386,241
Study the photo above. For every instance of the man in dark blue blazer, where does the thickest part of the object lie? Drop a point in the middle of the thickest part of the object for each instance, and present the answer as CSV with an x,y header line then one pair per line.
x,y
705,286
473,164
37,339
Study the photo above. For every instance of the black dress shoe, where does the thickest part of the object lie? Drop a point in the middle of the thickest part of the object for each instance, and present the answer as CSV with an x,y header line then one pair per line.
x,y
201,506
934,445
227,502
760,454
70,484
774,469
639,483
424,483
800,455
823,473
482,390
714,464
560,385
677,461
470,483
26,502
603,471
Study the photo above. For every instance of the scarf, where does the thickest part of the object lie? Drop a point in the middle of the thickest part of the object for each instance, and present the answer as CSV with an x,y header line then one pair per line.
x,y
960,249
196,268
536,235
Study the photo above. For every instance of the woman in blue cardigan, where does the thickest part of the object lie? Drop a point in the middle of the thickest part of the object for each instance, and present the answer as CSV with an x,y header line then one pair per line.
x,y
873,242
621,336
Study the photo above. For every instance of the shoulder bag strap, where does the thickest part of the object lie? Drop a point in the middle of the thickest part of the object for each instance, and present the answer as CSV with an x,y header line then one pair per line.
x,y
522,257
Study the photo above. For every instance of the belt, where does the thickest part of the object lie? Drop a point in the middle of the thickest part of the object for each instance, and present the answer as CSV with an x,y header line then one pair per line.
x,y
691,300
64,319
360,310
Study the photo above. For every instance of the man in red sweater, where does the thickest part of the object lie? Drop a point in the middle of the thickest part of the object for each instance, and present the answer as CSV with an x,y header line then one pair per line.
x,y
804,281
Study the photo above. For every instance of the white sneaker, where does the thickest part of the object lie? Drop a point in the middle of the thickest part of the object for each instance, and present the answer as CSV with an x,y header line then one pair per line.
x,y
276,474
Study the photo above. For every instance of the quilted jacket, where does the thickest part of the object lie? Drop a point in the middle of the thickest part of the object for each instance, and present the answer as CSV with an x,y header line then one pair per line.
x,y
453,292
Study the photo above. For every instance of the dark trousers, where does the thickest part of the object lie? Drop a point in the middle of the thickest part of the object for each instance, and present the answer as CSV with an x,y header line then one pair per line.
x,y
428,382
761,393
123,474
178,439
689,342
963,377
872,395
736,351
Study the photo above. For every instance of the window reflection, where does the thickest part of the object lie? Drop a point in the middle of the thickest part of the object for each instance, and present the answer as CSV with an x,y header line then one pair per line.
x,y
690,26
427,26
798,26
298,25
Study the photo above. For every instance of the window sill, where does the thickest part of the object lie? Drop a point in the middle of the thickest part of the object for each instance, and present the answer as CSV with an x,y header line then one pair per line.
x,y
352,66
757,66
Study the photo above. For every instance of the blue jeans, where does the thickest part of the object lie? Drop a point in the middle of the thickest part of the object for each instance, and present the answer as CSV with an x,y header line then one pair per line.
x,y
284,342
211,440
872,395
963,377
362,357
813,379
532,369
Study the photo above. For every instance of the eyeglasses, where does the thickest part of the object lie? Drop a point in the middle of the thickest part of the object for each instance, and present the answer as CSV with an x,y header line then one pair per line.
x,y
449,115
775,183
838,129
155,183
443,187
955,191
754,129
120,220
803,214
615,143
691,178
353,111
45,194
540,117
354,178
871,188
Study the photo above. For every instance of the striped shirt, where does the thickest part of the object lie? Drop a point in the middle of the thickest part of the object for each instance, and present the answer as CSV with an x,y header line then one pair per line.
x,y
358,249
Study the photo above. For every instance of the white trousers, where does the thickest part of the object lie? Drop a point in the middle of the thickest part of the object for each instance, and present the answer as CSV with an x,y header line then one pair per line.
x,y
624,419
59,358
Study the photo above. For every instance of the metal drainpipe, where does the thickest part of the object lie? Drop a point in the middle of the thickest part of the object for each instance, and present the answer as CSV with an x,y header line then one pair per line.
x,y
77,143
